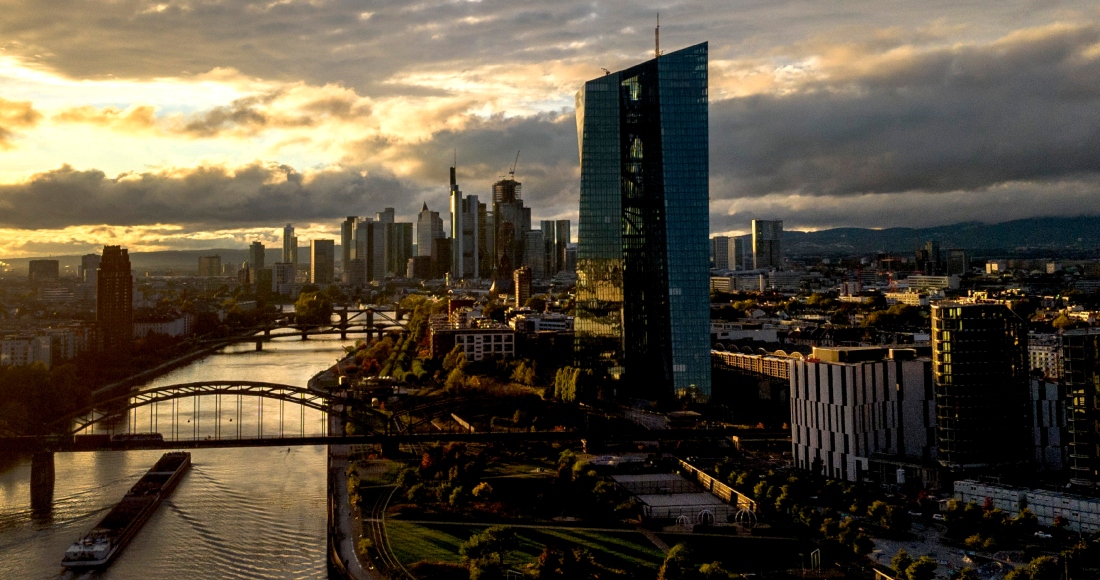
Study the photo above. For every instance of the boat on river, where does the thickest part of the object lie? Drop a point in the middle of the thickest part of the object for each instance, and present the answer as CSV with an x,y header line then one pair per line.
x,y
104,542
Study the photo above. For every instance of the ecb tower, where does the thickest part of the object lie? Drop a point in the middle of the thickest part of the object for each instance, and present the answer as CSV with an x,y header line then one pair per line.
x,y
642,311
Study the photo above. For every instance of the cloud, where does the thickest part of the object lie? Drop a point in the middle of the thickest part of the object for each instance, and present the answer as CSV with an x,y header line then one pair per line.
x,y
1023,108
211,196
15,115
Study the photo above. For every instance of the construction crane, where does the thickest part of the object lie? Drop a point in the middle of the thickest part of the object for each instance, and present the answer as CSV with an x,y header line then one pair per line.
x,y
605,71
512,172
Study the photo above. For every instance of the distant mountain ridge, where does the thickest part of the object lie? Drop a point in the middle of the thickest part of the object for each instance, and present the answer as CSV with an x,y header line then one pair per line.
x,y
1050,233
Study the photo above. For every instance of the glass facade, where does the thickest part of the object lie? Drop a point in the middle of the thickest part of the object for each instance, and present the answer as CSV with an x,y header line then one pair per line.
x,y
1081,357
643,262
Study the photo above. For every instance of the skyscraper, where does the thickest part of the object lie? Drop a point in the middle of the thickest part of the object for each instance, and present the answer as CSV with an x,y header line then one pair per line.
x,y
980,369
511,222
722,251
429,226
290,247
642,310
522,281
741,254
89,264
465,234
364,252
347,245
767,249
322,261
398,247
256,258
534,254
114,313
1081,363
555,235
210,266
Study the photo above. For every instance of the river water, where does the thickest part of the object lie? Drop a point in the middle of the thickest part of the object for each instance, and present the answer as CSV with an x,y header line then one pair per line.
x,y
239,513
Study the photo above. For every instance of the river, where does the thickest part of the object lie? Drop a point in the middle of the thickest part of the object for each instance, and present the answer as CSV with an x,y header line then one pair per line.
x,y
239,513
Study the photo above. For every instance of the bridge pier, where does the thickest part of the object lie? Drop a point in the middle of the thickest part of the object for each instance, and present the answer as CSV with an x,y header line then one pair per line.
x,y
305,335
259,345
42,480
390,449
267,331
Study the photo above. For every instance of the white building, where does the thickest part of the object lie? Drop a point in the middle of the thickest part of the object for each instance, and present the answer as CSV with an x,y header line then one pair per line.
x,y
1044,353
176,324
848,404
921,282
1082,514
907,298
22,350
542,322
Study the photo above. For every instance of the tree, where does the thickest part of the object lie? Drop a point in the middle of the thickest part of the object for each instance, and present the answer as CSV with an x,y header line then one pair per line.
x,y
1045,568
454,359
715,571
678,565
900,562
313,308
536,303
923,568
968,574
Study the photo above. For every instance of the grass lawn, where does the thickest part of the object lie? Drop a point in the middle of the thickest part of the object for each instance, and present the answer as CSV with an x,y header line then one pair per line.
x,y
378,471
744,554
439,542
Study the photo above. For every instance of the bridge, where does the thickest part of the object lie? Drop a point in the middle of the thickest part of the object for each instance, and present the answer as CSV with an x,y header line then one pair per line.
x,y
352,321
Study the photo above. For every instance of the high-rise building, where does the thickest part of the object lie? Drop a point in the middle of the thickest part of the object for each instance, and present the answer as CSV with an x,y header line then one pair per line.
x,y
522,281
429,226
465,233
741,255
441,257
114,300
210,266
386,216
89,264
980,369
257,255
398,247
724,253
1081,376
511,222
555,235
534,254
928,259
365,244
322,261
347,245
283,277
958,262
42,271
642,308
767,239
290,247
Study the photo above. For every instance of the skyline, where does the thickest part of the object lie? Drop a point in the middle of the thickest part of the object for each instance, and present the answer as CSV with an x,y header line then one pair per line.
x,y
191,125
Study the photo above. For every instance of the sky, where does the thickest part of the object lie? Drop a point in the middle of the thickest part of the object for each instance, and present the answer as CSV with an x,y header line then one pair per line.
x,y
186,124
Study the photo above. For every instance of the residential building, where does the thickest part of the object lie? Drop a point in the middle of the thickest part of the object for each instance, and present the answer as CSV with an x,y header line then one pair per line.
x,y
522,285
981,374
173,323
322,261
849,404
115,301
25,349
429,226
43,271
1080,513
210,266
1081,363
767,244
642,289
907,298
1044,354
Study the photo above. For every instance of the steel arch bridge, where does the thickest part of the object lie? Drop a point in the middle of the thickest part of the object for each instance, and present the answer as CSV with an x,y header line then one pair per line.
x,y
120,406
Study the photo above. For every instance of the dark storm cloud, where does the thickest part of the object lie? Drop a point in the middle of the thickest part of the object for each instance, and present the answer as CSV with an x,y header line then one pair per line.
x,y
255,194
1023,109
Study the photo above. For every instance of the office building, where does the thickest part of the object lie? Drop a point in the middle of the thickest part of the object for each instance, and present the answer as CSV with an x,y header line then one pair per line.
x,y
210,266
522,283
849,404
642,306
397,248
511,222
347,246
114,313
256,258
290,247
89,264
958,262
767,244
534,254
929,260
43,271
322,261
441,257
466,236
742,246
429,226
1081,377
283,278
727,253
367,239
980,368
555,236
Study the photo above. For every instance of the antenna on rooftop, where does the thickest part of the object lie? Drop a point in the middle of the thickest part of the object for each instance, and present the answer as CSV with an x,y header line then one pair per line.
x,y
657,38
512,173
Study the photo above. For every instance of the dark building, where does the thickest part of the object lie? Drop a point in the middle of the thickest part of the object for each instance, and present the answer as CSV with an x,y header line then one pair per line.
x,y
114,312
980,369
43,271
1081,360
210,266
642,308
419,268
441,257
767,244
958,262
929,260
522,285
511,222
256,258
555,236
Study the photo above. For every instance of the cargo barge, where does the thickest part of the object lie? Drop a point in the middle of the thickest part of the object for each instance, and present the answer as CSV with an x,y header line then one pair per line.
x,y
114,531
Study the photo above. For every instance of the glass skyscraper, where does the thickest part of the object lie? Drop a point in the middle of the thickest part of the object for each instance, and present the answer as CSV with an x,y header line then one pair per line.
x,y
643,310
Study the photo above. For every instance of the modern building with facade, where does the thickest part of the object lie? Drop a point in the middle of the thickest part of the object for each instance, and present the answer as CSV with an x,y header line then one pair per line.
x,y
511,222
210,266
257,255
555,235
322,261
767,244
398,247
114,313
980,368
522,284
429,226
642,311
466,234
290,246
89,264
347,245
1081,377
41,271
